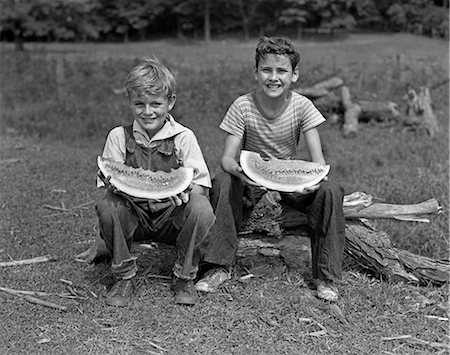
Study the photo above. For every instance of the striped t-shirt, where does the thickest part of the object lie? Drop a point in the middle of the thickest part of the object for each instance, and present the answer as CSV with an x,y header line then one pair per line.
x,y
277,137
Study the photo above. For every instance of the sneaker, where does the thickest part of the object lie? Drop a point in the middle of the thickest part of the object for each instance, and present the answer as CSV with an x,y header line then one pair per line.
x,y
120,294
212,280
184,292
326,291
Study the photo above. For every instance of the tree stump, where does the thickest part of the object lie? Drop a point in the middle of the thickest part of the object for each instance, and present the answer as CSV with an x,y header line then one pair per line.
x,y
352,112
419,111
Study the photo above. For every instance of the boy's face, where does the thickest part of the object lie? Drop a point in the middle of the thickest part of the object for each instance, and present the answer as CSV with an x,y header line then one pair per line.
x,y
150,111
275,75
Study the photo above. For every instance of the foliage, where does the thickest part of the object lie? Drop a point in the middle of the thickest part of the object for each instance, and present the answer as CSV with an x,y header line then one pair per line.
x,y
76,20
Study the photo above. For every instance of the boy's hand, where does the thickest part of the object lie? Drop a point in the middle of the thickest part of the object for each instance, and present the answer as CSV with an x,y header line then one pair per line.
x,y
182,197
240,173
310,189
106,181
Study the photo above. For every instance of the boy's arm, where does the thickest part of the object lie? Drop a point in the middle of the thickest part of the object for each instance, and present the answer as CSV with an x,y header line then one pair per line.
x,y
231,149
314,146
229,163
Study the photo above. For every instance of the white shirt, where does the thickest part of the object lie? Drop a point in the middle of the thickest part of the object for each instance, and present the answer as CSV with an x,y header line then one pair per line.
x,y
186,146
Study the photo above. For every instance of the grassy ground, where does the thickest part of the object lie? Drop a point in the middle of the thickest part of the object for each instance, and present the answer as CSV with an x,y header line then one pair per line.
x,y
48,149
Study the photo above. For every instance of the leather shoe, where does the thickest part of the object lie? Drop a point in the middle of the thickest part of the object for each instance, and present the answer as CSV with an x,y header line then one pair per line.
x,y
120,294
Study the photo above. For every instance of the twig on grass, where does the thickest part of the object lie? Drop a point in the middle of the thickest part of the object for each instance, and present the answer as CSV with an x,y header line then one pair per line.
x,y
437,317
83,205
9,161
433,344
38,259
32,299
22,292
60,210
398,337
322,331
73,289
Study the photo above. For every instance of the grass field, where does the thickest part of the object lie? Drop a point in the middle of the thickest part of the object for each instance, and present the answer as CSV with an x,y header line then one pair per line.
x,y
54,118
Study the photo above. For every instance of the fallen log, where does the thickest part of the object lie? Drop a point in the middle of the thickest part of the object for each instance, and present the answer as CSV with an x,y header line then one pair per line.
x,y
388,210
322,88
378,110
273,231
369,248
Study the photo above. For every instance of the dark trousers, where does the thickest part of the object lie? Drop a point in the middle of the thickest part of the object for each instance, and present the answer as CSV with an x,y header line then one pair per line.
x,y
231,199
181,226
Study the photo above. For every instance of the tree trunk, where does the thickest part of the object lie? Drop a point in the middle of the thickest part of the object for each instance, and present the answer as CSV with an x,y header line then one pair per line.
x,y
245,20
18,37
207,25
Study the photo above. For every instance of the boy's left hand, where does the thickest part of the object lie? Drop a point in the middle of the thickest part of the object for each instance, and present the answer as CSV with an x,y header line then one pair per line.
x,y
179,199
182,197
310,189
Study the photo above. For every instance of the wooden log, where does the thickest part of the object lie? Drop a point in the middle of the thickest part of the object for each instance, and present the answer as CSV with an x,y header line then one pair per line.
x,y
378,110
322,88
352,112
388,210
273,231
371,249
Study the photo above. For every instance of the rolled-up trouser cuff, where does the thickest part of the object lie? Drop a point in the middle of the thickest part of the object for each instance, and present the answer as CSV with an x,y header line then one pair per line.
x,y
125,270
177,271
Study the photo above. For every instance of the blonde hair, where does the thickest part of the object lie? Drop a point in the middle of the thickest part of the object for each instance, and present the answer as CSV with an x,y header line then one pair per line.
x,y
150,77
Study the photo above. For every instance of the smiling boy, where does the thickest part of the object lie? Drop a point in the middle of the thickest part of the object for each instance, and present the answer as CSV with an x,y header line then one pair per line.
x,y
270,121
155,141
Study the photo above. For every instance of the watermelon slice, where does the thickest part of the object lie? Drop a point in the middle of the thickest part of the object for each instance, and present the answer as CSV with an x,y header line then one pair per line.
x,y
282,175
143,183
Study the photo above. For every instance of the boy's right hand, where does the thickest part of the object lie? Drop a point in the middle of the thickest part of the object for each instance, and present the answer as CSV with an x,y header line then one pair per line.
x,y
240,174
106,181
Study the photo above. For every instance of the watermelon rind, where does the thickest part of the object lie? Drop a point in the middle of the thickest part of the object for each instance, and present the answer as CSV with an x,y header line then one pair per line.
x,y
141,183
282,175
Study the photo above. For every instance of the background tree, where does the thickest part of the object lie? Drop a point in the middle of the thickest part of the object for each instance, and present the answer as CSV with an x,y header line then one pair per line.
x,y
294,13
75,20
14,17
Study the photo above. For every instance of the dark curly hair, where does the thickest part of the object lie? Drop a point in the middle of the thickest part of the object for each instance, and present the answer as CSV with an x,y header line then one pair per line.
x,y
276,45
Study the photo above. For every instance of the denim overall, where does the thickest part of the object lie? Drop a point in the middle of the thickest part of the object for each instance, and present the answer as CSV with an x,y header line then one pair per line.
x,y
323,208
123,218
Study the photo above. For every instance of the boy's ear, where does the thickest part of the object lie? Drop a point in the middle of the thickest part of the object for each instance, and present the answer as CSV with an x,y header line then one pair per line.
x,y
296,74
255,72
171,101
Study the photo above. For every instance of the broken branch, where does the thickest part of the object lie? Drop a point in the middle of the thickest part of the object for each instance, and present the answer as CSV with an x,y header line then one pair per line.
x,y
38,259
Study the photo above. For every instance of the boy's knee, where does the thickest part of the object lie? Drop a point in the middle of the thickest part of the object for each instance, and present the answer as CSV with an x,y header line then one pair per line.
x,y
222,179
107,204
330,188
